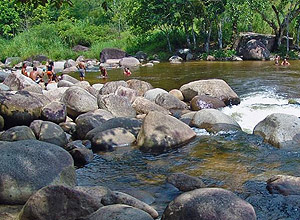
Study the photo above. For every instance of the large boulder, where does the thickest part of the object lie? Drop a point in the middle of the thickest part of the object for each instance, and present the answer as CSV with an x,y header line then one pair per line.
x,y
204,101
17,133
119,212
160,132
151,94
9,61
71,69
129,62
70,79
64,83
280,130
56,94
79,101
111,87
17,81
255,50
209,204
55,112
50,132
283,184
3,75
214,121
128,93
175,59
144,106
87,86
90,120
29,166
80,48
214,87
69,63
112,53
81,155
140,86
184,182
141,56
119,106
59,202
168,101
21,108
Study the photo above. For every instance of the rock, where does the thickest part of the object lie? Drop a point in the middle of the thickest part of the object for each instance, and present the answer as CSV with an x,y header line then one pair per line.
x,y
55,112
129,124
206,102
185,182
59,202
214,87
177,113
17,133
69,127
144,106
169,102
255,50
118,212
71,69
177,93
140,86
128,93
78,101
50,132
34,89
279,130
187,118
285,185
70,79
111,53
4,87
86,85
81,155
214,121
26,162
10,61
148,65
129,62
153,93
80,59
41,58
59,66
64,83
175,59
236,58
98,192
293,102
90,120
141,195
207,204
21,108
117,105
160,132
210,58
69,63
16,81
52,86
80,48
106,140
3,75
141,56
98,86
56,94
123,198
1,123
111,87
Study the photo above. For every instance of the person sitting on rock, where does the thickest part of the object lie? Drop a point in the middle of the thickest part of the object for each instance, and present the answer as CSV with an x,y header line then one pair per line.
x,y
23,70
127,72
285,62
81,68
50,71
34,75
103,72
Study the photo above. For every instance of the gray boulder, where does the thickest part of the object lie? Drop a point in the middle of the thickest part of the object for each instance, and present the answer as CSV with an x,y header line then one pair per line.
x,y
3,75
98,192
12,60
140,86
111,53
209,204
141,56
283,184
71,69
160,132
119,106
69,63
153,93
187,117
59,66
185,182
168,101
129,62
175,59
69,127
128,93
50,132
255,50
144,106
78,101
70,79
29,166
59,202
80,48
34,89
98,86
81,155
55,112
64,83
214,121
17,133
280,130
16,81
111,87
214,87
4,87
177,93
86,85
55,94
204,102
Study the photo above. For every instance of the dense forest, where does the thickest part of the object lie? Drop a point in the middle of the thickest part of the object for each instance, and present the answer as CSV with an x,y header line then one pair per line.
x,y
54,27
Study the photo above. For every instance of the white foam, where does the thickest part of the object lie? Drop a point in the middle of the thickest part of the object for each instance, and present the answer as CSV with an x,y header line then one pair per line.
x,y
257,106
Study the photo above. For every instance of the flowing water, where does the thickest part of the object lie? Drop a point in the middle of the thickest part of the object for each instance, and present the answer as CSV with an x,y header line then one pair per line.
x,y
228,160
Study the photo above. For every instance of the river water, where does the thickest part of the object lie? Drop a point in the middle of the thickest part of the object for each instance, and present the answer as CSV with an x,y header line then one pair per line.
x,y
228,160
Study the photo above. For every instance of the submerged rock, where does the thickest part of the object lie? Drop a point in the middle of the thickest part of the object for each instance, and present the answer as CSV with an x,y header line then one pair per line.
x,y
185,182
206,102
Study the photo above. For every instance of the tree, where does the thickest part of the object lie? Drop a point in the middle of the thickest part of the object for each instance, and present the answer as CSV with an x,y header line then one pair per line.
x,y
9,18
58,3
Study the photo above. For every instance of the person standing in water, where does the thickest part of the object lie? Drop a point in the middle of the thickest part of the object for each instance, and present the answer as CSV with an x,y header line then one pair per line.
x,y
103,72
285,62
127,72
277,59
81,68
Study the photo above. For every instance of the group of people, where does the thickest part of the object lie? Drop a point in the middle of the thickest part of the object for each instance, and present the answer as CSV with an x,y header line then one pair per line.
x,y
283,63
37,76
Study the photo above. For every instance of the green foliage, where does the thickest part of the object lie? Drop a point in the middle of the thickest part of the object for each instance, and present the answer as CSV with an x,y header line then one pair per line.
x,y
9,18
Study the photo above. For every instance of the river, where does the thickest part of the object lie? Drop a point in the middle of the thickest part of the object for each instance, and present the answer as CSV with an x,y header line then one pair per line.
x,y
236,161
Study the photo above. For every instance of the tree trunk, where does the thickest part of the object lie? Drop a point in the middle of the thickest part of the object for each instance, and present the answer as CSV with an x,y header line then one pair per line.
x,y
194,38
287,35
168,40
188,40
298,36
234,30
220,35
207,40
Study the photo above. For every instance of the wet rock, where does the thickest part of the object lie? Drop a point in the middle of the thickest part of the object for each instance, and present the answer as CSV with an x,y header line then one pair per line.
x,y
59,202
16,81
209,203
56,94
169,102
140,86
111,53
64,83
90,120
153,93
128,93
280,130
144,106
185,182
106,140
50,132
129,62
116,212
214,121
123,198
29,166
18,133
205,102
55,112
177,93
255,50
214,87
78,101
160,132
130,124
81,155
70,79
117,105
111,87
285,185
21,108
